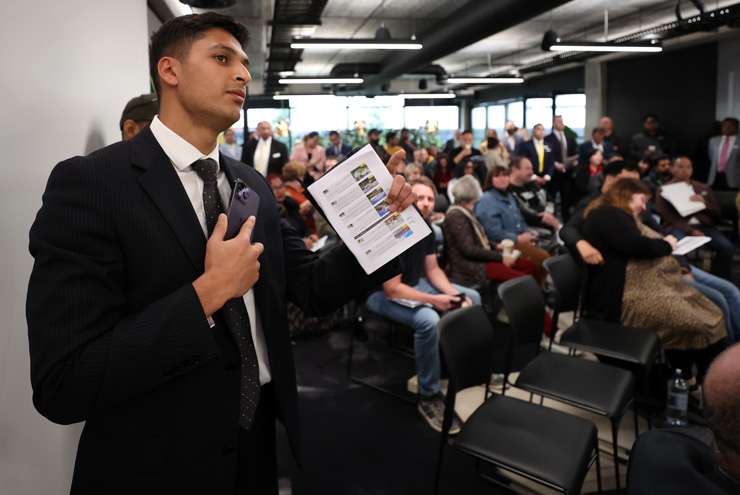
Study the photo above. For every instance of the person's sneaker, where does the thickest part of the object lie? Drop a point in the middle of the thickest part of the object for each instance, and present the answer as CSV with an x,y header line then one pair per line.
x,y
432,409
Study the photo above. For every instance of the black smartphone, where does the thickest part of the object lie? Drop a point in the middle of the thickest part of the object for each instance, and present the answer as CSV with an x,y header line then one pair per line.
x,y
244,204
458,302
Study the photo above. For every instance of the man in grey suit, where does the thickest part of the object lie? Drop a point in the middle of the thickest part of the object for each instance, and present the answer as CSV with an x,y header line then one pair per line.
x,y
724,155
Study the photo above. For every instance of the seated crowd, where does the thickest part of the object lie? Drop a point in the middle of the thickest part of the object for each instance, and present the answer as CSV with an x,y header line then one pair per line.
x,y
501,208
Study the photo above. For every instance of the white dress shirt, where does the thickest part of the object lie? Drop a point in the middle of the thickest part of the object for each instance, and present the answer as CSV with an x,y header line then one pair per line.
x,y
182,154
262,155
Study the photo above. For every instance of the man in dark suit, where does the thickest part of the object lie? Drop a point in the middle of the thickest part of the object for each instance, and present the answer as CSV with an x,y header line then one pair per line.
x,y
338,149
266,154
597,142
169,341
540,154
564,149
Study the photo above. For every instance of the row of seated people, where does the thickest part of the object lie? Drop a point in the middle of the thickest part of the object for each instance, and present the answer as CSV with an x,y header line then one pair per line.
x,y
632,276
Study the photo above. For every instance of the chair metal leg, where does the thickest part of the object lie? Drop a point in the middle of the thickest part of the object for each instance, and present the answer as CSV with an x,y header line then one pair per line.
x,y
637,418
598,467
615,426
531,395
438,476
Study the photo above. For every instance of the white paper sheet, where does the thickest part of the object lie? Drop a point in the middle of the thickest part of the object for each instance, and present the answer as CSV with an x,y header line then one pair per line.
x,y
352,196
320,243
678,195
689,243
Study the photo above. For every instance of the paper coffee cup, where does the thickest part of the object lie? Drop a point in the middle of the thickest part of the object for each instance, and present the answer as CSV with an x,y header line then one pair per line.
x,y
508,245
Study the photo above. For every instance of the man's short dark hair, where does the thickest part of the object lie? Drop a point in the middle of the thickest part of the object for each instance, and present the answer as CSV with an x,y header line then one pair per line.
x,y
618,166
333,133
732,120
174,37
516,162
390,135
598,129
649,116
467,131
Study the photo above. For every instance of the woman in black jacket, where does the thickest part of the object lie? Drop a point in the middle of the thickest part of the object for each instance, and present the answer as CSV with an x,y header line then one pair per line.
x,y
640,285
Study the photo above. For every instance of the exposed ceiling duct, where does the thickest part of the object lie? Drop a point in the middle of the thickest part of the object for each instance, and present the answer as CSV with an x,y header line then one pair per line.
x,y
291,19
707,21
472,22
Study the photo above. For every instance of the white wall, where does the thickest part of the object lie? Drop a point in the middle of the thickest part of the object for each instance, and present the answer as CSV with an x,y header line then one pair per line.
x,y
728,78
68,68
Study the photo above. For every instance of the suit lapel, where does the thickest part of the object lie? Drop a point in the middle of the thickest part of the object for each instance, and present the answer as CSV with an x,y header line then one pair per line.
x,y
165,189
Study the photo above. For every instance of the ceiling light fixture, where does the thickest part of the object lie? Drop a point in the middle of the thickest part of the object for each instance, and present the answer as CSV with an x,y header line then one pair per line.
x,y
425,96
355,44
288,97
321,80
485,80
552,42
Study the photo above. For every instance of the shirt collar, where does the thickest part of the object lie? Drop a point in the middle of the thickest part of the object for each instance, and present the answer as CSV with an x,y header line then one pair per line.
x,y
180,152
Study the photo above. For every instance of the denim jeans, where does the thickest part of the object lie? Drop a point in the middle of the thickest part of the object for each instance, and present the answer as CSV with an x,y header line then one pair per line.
x,y
725,295
423,320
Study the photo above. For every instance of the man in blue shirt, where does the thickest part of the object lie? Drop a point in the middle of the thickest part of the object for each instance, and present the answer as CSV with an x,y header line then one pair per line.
x,y
498,212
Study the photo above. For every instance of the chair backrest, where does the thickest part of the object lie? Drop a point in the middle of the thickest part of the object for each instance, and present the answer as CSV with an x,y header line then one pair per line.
x,y
466,340
567,277
524,303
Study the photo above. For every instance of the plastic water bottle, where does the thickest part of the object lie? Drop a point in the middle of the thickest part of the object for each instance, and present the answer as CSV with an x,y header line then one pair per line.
x,y
678,400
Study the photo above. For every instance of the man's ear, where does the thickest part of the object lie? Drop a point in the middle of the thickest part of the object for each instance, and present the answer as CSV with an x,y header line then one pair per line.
x,y
168,69
130,129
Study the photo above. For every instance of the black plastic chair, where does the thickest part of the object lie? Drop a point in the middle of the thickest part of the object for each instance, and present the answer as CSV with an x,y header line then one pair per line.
x,y
633,346
540,444
634,349
591,386
366,323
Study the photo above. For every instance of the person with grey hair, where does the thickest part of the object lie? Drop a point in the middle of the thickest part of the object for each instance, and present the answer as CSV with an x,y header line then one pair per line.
x,y
471,259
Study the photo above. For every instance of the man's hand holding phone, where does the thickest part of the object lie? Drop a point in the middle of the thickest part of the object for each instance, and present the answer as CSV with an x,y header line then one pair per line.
x,y
231,266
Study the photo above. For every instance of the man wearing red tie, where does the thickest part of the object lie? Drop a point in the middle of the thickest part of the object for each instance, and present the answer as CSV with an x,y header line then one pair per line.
x,y
724,152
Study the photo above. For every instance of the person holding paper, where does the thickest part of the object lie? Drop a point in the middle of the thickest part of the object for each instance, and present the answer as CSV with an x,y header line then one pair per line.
x,y
702,223
416,298
169,341
640,284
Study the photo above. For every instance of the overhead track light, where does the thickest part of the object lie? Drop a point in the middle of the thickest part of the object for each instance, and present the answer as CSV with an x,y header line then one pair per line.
x,y
314,96
485,80
355,44
552,42
425,96
321,80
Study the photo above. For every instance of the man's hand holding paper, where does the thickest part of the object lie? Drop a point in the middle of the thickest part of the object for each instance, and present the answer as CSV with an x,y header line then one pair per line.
x,y
368,207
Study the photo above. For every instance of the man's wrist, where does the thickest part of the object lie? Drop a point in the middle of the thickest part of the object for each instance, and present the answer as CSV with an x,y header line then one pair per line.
x,y
209,294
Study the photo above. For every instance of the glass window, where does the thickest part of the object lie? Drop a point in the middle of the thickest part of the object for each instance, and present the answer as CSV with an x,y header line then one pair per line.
x,y
515,113
432,124
278,117
573,109
539,111
497,118
479,124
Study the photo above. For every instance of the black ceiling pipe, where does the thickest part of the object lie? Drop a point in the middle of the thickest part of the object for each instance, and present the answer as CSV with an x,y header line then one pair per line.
x,y
474,21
